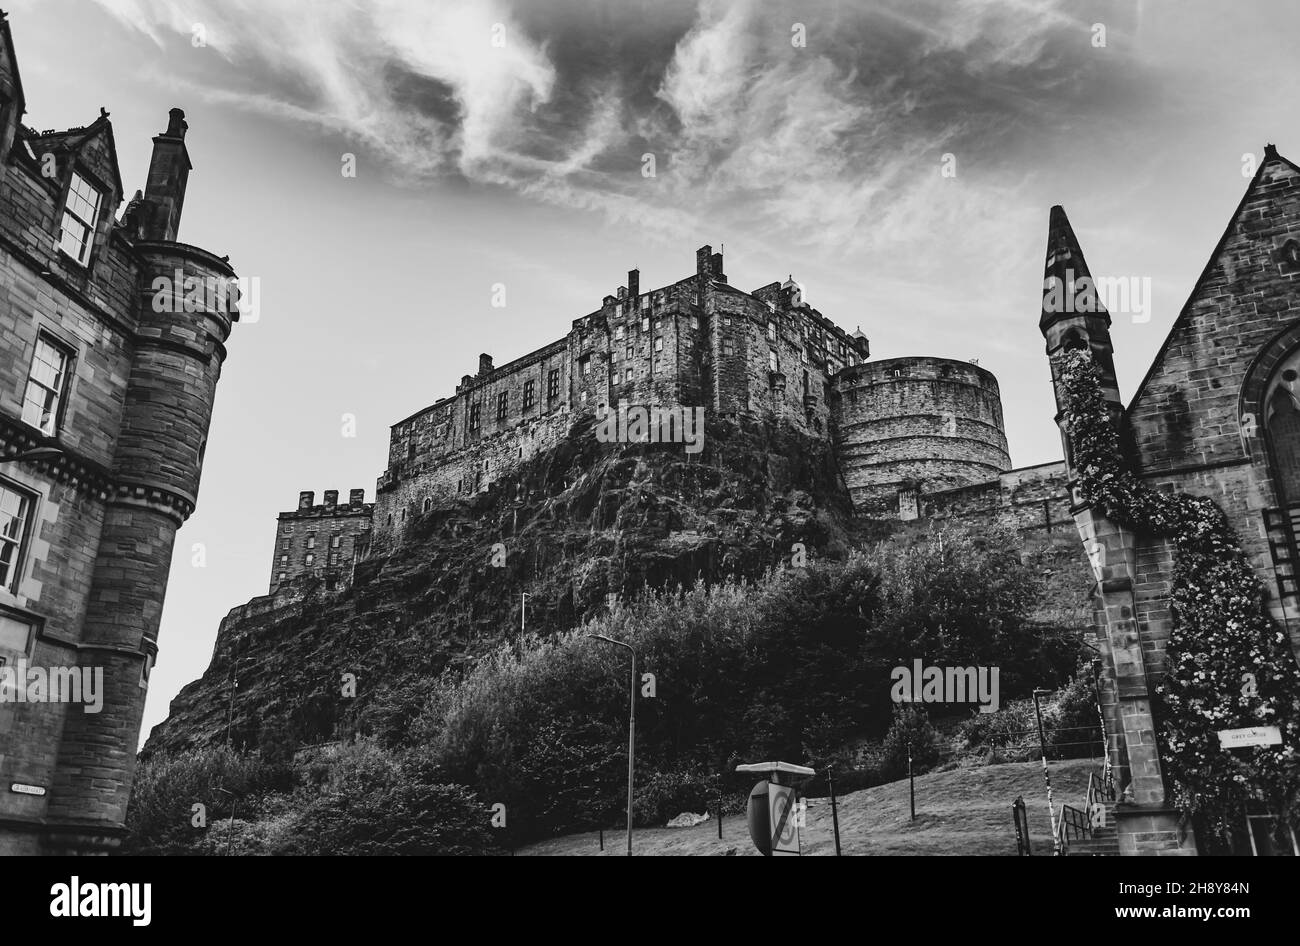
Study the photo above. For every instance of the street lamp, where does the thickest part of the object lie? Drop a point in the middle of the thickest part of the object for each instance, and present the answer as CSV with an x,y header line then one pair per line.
x,y
631,731
523,609
35,453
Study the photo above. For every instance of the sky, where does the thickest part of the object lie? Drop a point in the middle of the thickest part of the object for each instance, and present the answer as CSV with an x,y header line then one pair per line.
x,y
897,157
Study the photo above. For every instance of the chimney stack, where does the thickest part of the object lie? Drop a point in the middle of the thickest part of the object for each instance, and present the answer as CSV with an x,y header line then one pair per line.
x,y
484,364
331,498
703,260
715,267
634,285
306,499
357,497
169,172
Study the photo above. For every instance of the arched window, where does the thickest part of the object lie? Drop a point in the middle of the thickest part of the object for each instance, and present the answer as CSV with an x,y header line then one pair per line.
x,y
1283,425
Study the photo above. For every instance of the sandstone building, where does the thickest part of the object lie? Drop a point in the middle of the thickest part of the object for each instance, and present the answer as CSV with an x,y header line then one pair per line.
x,y
1217,415
108,385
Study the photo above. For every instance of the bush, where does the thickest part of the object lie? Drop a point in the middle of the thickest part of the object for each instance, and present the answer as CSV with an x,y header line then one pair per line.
x,y
161,816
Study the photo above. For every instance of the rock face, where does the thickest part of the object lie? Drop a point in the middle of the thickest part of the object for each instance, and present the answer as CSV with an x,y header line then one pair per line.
x,y
573,525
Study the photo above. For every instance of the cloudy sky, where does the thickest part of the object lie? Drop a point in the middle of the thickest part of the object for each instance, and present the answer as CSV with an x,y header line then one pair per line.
x,y
505,142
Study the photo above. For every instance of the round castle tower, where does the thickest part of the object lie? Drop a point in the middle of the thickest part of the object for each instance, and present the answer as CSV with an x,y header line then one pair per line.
x,y
917,424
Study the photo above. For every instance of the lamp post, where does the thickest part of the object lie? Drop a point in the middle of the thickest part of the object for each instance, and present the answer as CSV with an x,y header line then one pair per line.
x,y
631,732
523,610
1042,745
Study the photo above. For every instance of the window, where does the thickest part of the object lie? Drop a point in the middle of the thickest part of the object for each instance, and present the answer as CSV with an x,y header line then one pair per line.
x,y
553,384
284,545
614,380
501,405
771,360
726,320
658,324
281,576
474,411
584,365
695,321
659,344
311,540
530,394
618,333
629,351
334,556
45,386
15,511
310,559
287,530
771,331
645,324
284,560
336,540
80,212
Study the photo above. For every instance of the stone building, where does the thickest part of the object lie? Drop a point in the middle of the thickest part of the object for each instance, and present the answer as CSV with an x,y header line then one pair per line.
x,y
1217,415
321,542
109,371
906,427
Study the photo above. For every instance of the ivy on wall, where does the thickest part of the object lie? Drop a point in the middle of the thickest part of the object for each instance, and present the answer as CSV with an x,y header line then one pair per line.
x,y
1229,666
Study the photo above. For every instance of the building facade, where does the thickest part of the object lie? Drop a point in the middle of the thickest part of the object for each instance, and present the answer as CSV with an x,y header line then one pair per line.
x,y
321,542
1217,416
108,369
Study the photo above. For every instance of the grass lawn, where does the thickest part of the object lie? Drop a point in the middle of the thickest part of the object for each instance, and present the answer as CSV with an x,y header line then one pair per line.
x,y
965,811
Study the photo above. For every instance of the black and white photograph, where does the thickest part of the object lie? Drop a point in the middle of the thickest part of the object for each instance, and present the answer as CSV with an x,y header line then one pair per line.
x,y
614,428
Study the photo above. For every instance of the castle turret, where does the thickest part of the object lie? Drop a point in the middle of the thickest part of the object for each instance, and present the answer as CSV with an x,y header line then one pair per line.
x,y
183,318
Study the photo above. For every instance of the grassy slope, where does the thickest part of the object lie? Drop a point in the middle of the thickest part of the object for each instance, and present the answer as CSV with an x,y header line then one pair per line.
x,y
965,811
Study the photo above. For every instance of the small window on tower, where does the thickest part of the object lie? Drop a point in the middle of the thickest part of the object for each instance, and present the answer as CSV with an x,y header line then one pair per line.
x,y
659,344
771,360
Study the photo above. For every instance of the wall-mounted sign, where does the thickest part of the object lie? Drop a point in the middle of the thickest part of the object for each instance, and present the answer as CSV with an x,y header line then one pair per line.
x,y
1252,736
22,789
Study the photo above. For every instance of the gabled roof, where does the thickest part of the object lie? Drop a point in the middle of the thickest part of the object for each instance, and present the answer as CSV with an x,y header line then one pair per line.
x,y
1270,157
74,139
7,36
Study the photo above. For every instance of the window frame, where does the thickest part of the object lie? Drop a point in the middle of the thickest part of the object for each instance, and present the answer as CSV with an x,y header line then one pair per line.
x,y
87,254
12,582
63,393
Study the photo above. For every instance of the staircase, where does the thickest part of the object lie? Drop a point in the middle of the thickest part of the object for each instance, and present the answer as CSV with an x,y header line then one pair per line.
x,y
1102,842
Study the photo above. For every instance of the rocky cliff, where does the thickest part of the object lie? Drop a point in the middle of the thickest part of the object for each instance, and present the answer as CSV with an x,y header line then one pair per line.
x,y
569,528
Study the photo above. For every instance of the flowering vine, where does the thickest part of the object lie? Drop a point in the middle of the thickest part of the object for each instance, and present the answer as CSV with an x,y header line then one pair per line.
x,y
1228,664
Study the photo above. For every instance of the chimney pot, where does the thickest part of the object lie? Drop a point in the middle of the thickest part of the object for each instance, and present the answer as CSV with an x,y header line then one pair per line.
x,y
484,363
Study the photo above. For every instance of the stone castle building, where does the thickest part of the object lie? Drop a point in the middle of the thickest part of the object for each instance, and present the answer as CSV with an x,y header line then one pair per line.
x,y
1217,415
105,399
919,437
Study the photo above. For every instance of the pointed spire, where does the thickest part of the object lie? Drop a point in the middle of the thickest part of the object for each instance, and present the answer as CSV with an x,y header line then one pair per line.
x,y
1067,284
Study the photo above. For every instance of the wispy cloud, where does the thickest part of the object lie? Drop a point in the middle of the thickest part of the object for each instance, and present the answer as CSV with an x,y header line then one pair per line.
x,y
835,142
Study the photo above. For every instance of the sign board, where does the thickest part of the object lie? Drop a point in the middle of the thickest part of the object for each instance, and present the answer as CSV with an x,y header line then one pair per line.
x,y
783,818
22,789
1252,736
